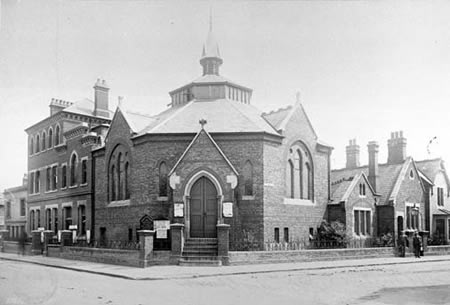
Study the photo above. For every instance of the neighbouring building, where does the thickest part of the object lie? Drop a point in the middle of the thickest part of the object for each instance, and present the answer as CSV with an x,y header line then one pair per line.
x,y
60,173
435,178
2,212
382,198
212,158
15,199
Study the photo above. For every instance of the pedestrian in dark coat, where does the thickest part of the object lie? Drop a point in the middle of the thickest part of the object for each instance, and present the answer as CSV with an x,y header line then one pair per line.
x,y
402,245
416,245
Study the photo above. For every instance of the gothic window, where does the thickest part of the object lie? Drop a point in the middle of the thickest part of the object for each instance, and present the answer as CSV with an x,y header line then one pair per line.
x,y
299,173
50,138
44,139
57,135
163,179
84,171
38,139
119,174
73,168
64,176
248,178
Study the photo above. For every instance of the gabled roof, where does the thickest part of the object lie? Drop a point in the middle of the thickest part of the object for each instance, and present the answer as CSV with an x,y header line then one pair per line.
x,y
222,115
389,176
136,121
430,168
402,174
203,131
341,190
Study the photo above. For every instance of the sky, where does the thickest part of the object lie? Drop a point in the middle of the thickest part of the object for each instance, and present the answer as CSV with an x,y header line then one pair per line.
x,y
364,69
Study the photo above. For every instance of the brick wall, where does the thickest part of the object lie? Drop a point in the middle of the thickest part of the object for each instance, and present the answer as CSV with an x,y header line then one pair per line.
x,y
309,214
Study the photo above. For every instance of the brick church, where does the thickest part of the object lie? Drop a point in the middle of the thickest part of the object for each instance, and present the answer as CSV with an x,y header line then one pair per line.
x,y
212,158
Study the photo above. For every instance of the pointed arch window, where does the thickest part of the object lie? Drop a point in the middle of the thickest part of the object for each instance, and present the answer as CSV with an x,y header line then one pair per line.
x,y
248,178
299,173
38,140
73,170
44,140
57,135
163,183
50,138
119,168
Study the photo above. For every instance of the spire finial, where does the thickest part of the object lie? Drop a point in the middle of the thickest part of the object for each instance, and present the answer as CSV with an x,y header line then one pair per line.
x,y
210,19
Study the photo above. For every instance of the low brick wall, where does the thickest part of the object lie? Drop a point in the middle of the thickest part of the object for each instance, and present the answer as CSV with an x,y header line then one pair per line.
x,y
438,250
14,247
100,255
264,257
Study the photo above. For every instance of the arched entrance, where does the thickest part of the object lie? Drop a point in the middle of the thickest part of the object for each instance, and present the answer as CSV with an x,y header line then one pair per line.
x,y
203,209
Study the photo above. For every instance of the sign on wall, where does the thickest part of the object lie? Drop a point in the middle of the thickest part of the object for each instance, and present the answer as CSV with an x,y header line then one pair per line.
x,y
178,210
161,227
227,208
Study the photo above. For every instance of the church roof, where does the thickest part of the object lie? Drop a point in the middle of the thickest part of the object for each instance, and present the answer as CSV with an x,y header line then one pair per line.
x,y
277,117
223,116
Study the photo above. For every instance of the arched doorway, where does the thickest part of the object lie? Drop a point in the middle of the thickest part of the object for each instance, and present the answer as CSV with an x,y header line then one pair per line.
x,y
203,209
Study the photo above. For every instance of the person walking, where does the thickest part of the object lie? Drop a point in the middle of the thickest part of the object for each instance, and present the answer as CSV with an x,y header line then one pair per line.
x,y
402,245
416,245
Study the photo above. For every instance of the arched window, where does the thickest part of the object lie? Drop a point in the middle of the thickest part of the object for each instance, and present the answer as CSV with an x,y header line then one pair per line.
x,y
299,172
127,180
119,174
163,179
44,140
31,146
50,138
73,170
290,179
38,140
57,135
113,183
248,178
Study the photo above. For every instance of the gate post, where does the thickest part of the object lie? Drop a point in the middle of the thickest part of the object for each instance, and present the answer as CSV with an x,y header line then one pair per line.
x,y
3,236
146,250
36,244
48,234
177,235
223,242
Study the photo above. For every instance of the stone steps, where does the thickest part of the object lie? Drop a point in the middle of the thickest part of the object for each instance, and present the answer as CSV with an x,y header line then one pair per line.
x,y
200,252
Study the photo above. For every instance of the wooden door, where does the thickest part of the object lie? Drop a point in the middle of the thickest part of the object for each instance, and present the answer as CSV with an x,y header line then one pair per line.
x,y
203,208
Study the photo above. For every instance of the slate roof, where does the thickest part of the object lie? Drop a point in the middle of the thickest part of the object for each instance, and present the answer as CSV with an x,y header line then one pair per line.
x,y
338,190
389,176
278,116
222,115
83,107
430,167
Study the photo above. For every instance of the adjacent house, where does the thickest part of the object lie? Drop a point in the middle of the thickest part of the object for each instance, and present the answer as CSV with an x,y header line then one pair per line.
x,y
437,183
396,186
60,164
15,199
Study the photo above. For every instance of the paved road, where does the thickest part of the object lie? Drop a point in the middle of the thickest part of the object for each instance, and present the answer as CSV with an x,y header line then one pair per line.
x,y
425,283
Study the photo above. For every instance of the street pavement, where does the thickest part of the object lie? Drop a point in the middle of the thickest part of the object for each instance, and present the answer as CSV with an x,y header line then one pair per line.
x,y
180,272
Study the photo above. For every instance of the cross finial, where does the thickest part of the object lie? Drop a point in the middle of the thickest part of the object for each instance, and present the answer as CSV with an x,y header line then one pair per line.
x,y
203,122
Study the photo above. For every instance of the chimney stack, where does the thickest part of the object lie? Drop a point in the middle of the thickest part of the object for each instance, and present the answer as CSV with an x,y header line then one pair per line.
x,y
25,180
101,90
396,148
352,154
373,165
